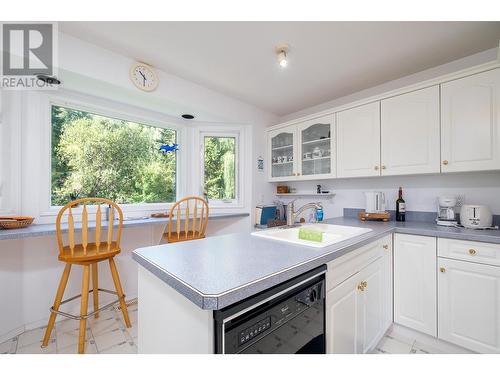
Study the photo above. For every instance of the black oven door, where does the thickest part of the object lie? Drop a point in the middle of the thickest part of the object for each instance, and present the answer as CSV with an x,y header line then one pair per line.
x,y
304,334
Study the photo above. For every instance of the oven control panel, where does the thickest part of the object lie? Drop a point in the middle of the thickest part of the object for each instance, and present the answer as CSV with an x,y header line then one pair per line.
x,y
254,331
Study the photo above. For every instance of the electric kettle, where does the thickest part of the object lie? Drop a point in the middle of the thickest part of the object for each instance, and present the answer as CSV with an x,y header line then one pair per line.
x,y
375,202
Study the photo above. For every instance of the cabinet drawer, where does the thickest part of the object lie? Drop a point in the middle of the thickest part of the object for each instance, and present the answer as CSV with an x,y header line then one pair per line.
x,y
349,264
478,252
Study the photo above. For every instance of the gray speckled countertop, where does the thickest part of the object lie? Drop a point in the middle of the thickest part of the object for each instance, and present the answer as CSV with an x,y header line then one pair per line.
x,y
218,271
36,230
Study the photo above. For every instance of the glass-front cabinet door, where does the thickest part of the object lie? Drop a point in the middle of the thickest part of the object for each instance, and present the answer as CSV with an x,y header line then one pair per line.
x,y
282,144
316,148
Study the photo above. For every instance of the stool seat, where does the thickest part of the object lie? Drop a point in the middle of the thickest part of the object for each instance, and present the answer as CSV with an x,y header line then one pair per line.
x,y
92,253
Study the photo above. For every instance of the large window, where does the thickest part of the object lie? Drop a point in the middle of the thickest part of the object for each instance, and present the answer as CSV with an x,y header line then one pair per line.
x,y
98,156
220,168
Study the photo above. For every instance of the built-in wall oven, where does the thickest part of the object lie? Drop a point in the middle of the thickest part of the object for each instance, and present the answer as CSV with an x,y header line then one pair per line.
x,y
286,319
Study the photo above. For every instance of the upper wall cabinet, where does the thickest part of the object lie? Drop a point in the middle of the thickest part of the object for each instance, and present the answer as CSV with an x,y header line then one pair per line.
x,y
358,146
282,146
410,133
303,151
470,127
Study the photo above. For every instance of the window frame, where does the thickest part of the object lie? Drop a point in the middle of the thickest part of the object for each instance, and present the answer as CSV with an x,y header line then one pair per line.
x,y
113,110
222,203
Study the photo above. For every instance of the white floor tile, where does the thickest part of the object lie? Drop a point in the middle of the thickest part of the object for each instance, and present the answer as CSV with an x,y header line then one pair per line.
x,y
90,348
109,339
8,347
35,348
68,338
393,346
103,325
34,336
123,348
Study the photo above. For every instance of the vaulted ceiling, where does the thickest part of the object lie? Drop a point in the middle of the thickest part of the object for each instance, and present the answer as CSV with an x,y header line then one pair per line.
x,y
327,60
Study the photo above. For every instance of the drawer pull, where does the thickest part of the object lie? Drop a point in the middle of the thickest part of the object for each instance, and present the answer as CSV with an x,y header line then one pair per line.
x,y
472,252
362,285
445,162
442,270
376,168
386,247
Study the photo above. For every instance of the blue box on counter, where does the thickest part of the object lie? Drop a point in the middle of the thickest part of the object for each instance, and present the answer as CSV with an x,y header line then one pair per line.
x,y
264,213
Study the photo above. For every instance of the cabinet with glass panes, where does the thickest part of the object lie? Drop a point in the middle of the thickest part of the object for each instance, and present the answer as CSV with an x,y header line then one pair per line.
x,y
303,151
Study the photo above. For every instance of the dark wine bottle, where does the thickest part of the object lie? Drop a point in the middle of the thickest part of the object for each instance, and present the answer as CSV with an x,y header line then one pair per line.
x,y
400,206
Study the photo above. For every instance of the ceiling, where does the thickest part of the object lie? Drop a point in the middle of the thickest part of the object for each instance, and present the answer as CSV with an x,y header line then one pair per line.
x,y
327,60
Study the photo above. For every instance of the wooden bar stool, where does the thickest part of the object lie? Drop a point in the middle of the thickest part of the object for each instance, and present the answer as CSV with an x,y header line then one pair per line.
x,y
87,254
183,209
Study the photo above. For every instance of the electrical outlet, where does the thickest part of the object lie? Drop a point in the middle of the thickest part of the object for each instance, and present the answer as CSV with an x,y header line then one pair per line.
x,y
460,200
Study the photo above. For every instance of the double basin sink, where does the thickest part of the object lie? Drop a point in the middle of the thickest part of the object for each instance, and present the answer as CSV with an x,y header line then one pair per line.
x,y
332,234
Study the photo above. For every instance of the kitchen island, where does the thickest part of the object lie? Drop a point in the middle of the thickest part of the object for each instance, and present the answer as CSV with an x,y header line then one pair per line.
x,y
180,285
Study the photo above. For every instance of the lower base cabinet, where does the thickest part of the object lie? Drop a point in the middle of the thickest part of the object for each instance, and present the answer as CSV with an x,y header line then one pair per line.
x,y
469,305
415,282
358,310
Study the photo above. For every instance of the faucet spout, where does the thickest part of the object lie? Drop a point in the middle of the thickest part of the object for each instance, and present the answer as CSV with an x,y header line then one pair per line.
x,y
292,214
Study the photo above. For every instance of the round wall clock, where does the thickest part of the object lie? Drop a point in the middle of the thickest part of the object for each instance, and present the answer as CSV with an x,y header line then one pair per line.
x,y
143,77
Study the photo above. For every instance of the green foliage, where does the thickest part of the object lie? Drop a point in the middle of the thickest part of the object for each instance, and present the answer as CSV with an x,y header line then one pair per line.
x,y
95,156
220,167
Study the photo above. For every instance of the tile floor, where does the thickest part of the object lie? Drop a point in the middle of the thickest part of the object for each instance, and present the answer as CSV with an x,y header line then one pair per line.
x,y
401,340
106,335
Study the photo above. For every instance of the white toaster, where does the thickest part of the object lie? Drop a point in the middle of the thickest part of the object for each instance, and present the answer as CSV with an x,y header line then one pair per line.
x,y
476,216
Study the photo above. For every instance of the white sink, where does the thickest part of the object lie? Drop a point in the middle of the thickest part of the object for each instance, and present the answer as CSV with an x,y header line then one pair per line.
x,y
331,234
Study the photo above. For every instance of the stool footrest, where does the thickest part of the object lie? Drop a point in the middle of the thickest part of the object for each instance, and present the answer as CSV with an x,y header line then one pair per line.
x,y
81,317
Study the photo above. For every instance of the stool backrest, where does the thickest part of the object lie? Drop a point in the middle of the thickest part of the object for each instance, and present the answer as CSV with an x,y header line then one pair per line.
x,y
188,209
85,221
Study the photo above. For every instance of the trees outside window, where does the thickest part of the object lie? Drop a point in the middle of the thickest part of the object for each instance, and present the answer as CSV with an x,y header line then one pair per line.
x,y
220,168
98,156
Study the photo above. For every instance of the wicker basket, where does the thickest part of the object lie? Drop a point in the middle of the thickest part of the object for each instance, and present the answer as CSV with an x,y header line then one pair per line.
x,y
15,222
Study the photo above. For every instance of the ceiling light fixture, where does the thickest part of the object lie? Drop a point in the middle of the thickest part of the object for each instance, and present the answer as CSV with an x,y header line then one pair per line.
x,y
282,52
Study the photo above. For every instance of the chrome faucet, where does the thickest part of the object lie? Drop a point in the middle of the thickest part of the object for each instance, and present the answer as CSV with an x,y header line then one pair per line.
x,y
291,215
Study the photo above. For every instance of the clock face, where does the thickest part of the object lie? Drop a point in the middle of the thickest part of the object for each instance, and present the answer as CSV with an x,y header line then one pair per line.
x,y
143,77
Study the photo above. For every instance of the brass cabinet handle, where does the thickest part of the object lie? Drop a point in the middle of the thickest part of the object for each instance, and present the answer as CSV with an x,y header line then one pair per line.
x,y
442,270
472,252
386,247
376,168
295,174
445,162
384,167
298,174
362,285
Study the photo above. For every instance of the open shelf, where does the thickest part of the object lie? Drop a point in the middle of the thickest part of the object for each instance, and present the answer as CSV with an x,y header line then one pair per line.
x,y
281,147
304,194
321,158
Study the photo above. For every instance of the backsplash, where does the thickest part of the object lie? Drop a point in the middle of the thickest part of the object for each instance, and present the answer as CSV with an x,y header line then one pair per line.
x,y
420,192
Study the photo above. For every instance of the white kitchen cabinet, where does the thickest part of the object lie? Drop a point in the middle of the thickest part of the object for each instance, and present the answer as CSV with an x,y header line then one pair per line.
x,y
343,318
358,309
469,305
282,144
317,148
415,282
358,145
303,151
410,133
470,127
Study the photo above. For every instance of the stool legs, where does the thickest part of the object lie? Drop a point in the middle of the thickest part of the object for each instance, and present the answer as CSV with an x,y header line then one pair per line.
x,y
119,290
95,287
57,303
84,308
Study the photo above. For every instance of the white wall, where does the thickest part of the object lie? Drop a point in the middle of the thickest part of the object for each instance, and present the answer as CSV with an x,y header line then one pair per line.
x,y
420,191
